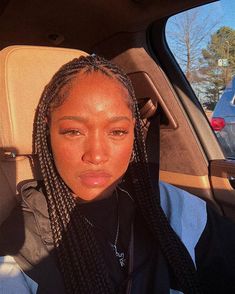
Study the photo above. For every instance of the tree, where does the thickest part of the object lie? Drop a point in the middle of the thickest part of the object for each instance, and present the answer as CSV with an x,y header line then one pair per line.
x,y
218,62
186,35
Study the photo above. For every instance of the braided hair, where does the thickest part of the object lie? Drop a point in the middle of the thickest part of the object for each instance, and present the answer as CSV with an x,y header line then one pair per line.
x,y
79,257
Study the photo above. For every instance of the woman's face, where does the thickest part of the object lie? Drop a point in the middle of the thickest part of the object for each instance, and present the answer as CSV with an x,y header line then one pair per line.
x,y
92,135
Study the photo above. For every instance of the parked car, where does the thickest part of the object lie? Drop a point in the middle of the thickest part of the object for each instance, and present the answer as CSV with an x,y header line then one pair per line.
x,y
223,120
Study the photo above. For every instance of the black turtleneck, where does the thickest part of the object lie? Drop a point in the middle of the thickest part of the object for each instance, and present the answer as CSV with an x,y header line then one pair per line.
x,y
103,216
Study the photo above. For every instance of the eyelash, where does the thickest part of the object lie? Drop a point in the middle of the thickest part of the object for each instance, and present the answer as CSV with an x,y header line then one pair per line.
x,y
119,133
74,133
71,132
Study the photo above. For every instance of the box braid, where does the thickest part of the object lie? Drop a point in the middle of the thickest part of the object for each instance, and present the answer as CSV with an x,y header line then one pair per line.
x,y
79,257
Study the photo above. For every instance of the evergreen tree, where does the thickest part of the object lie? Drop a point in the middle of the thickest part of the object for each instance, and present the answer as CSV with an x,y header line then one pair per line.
x,y
218,63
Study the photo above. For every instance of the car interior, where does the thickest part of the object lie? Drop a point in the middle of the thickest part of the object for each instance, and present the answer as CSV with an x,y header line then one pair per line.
x,y
37,37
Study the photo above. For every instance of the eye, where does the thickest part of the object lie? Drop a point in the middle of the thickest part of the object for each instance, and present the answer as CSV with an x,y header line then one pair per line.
x,y
119,133
70,132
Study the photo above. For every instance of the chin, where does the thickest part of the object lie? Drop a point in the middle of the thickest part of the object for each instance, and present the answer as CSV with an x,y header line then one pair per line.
x,y
94,193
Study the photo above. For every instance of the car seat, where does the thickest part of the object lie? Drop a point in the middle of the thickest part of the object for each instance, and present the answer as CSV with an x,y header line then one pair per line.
x,y
25,70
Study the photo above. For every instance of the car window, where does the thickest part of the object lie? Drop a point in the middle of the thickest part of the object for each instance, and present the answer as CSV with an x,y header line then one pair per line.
x,y
202,41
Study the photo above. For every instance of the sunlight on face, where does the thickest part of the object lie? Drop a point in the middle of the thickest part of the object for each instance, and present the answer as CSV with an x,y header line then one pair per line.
x,y
92,135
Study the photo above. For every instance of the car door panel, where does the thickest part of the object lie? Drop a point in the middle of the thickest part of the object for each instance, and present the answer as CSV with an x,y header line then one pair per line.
x,y
222,175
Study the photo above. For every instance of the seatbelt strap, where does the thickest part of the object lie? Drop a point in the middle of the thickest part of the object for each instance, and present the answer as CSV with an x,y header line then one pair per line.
x,y
153,147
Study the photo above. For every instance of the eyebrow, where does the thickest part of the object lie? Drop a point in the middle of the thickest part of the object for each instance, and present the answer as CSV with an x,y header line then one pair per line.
x,y
83,119
119,118
71,117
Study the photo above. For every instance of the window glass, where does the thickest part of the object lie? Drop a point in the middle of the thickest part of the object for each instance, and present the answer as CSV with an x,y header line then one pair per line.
x,y
203,42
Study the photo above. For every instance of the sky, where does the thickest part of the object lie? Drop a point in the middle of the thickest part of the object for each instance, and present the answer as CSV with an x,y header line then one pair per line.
x,y
221,12
228,6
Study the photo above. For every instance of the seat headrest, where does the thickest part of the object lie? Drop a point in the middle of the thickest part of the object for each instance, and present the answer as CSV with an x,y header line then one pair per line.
x,y
24,72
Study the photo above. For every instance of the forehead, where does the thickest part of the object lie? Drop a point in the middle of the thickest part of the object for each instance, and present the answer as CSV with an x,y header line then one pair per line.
x,y
95,80
95,90
94,84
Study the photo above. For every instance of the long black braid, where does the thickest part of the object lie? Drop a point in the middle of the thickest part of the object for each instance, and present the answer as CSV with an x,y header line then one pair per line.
x,y
79,256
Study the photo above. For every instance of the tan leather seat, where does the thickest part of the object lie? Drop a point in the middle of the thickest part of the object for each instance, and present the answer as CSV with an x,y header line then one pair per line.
x,y
24,72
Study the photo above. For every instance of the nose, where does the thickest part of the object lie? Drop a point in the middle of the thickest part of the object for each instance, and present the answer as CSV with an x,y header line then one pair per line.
x,y
96,151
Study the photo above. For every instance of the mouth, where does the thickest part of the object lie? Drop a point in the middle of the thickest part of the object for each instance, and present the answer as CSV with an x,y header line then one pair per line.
x,y
95,179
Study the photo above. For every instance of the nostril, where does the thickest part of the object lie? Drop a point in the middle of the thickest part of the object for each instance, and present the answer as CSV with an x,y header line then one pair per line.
x,y
95,156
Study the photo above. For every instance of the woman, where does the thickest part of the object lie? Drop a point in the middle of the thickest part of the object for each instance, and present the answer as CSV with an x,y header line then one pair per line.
x,y
95,224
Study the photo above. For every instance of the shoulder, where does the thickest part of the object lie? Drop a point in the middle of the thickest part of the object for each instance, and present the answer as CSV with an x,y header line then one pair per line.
x,y
175,200
13,279
28,226
186,213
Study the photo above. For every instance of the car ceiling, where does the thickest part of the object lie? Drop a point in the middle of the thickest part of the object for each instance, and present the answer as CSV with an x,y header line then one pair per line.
x,y
79,23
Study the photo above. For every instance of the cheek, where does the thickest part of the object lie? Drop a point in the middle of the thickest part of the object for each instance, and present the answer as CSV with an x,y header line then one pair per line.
x,y
121,155
65,155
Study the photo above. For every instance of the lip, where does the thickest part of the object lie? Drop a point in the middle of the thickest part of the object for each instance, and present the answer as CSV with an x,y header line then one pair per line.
x,y
95,179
